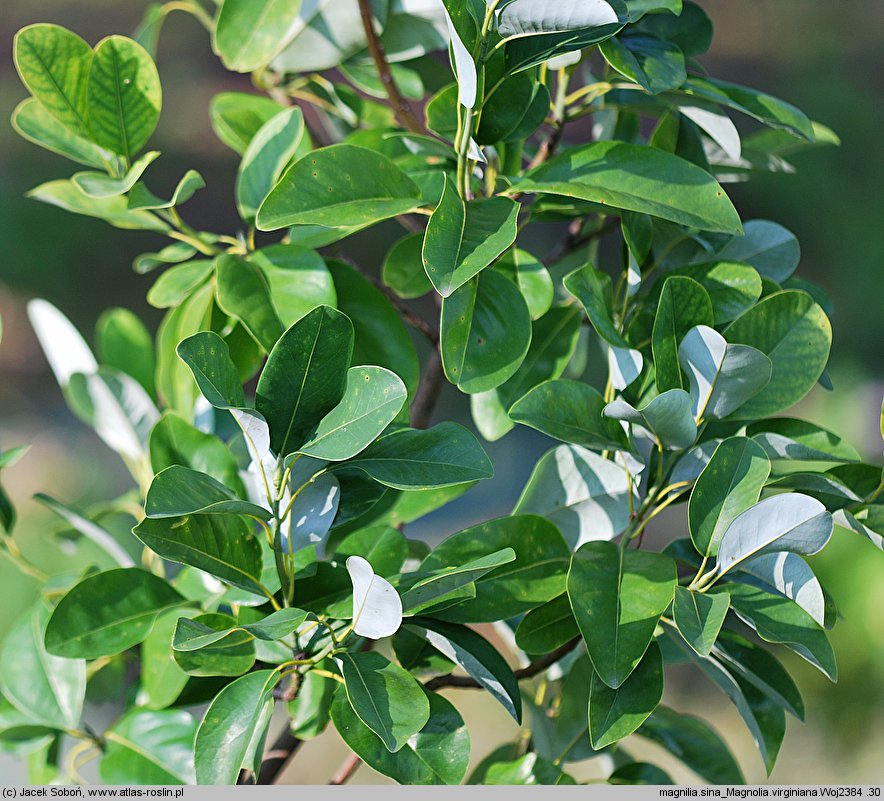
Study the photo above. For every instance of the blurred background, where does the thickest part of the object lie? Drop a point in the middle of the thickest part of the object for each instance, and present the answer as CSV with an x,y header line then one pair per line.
x,y
824,57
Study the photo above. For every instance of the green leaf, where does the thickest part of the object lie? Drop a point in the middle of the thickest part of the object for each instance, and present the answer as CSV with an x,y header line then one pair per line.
x,y
208,358
312,514
430,589
35,123
161,679
236,117
440,456
732,287
683,305
787,574
100,184
385,697
232,655
657,65
381,337
584,495
788,439
437,754
618,596
788,522
140,197
48,689
269,152
721,377
778,619
339,185
113,210
53,64
594,290
178,491
383,547
477,657
570,411
174,441
536,576
403,269
536,32
244,293
298,280
615,714
463,238
532,278
249,34
730,484
694,743
222,545
125,344
194,634
638,773
123,96
309,713
547,627
222,740
769,247
530,769
485,332
699,617
668,417
86,625
145,747
637,178
305,376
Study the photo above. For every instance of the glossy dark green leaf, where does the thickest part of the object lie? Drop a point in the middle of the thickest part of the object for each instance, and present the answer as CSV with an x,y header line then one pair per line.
x,y
637,773
417,656
384,547
194,634
385,697
618,596
547,627
668,417
730,483
222,740
304,377
694,743
732,287
570,411
683,304
794,332
381,337
108,612
403,270
244,293
655,64
54,64
463,238
123,95
297,278
178,491
485,332
437,754
530,769
615,714
699,617
208,358
769,247
231,654
161,679
269,152
532,278
430,589
477,657
637,178
49,690
249,34
778,619
367,188
150,747
536,576
594,290
785,438
437,457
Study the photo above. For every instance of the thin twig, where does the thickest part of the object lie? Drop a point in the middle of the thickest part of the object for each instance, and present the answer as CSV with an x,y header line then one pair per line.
x,y
432,381
347,769
400,105
528,672
410,316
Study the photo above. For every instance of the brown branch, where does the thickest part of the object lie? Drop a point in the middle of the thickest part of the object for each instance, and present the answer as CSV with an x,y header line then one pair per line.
x,y
548,146
432,381
277,758
528,672
346,771
411,317
400,105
